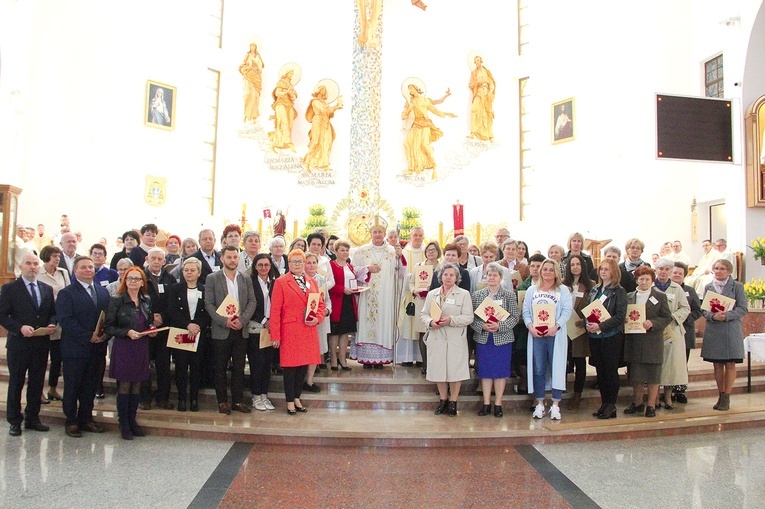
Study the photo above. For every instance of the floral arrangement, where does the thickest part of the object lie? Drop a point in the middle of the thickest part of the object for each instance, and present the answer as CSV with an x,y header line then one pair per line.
x,y
758,246
755,289
411,219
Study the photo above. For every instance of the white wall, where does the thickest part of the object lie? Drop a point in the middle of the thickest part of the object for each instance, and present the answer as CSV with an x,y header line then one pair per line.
x,y
83,100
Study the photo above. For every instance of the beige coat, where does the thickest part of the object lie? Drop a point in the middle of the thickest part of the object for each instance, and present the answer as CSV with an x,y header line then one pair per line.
x,y
447,346
673,369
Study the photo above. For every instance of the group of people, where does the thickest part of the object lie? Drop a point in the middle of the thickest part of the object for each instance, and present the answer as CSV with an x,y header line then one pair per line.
x,y
299,310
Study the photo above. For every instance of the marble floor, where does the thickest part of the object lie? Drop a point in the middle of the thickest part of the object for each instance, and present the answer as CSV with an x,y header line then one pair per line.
x,y
706,470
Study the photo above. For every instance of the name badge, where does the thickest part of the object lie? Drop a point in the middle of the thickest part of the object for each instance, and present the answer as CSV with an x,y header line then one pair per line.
x,y
687,294
161,288
104,283
215,268
199,295
578,295
653,300
450,300
498,301
603,298
670,296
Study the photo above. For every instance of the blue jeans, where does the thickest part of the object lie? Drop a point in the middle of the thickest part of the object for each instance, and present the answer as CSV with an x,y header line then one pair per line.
x,y
543,357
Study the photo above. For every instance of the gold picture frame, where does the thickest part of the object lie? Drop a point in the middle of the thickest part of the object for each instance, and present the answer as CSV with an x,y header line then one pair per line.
x,y
159,111
563,121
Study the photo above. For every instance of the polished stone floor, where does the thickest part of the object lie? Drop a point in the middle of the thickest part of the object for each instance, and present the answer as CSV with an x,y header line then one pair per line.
x,y
706,470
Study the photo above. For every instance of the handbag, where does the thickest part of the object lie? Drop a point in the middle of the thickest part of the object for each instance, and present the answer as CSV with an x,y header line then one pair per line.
x,y
410,309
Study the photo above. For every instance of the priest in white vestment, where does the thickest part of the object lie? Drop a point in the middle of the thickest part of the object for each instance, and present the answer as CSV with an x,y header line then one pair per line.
x,y
373,345
408,347
677,254
703,268
721,246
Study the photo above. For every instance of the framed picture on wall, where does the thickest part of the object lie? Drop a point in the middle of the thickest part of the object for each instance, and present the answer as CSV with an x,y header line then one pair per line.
x,y
563,121
160,105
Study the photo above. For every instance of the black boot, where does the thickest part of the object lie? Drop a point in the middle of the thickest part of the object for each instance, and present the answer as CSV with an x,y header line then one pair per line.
x,y
123,409
441,407
137,431
452,409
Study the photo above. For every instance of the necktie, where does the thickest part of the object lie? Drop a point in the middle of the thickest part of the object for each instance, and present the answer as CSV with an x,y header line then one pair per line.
x,y
33,289
92,292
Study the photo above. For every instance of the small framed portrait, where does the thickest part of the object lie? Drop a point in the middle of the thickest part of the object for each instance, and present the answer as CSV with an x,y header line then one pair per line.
x,y
563,121
160,106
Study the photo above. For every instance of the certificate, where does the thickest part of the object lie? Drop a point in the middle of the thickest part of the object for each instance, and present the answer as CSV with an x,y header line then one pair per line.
x,y
595,312
229,308
435,311
265,338
45,331
152,330
100,324
312,305
491,312
544,317
521,297
423,275
181,339
516,278
633,323
715,303
573,330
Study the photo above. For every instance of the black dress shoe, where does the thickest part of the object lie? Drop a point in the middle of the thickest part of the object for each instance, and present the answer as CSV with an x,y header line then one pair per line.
x,y
181,405
292,412
600,411
321,366
418,364
634,409
301,409
485,410
367,366
650,411
452,409
15,430
100,395
345,368
377,366
166,405
680,397
498,411
311,388
194,407
608,413
36,425
73,431
407,364
441,407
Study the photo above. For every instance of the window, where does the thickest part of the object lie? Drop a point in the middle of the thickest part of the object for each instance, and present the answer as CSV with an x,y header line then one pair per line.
x,y
713,77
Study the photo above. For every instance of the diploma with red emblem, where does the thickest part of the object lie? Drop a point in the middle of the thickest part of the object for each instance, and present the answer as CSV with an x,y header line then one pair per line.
x,y
715,303
181,339
422,276
544,317
633,323
491,312
312,305
229,308
595,312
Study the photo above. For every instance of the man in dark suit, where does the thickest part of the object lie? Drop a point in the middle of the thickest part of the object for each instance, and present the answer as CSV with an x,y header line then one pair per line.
x,y
207,254
78,307
159,282
26,305
230,334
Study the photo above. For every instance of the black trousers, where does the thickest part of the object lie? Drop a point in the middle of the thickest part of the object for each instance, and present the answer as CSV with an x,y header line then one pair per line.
x,y
187,373
55,363
23,363
260,365
160,353
80,384
234,347
604,355
293,382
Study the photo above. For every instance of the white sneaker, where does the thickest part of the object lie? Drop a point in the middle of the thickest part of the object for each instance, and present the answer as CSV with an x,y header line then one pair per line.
x,y
539,411
555,413
257,403
267,402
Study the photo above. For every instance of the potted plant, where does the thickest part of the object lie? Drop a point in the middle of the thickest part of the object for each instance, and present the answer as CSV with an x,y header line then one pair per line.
x,y
755,292
758,246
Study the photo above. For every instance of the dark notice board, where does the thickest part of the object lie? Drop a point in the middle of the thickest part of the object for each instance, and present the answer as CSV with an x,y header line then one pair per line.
x,y
697,128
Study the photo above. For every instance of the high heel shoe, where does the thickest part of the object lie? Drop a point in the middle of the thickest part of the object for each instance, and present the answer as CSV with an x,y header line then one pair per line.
x,y
498,411
441,407
485,410
600,411
345,368
301,409
608,413
292,412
